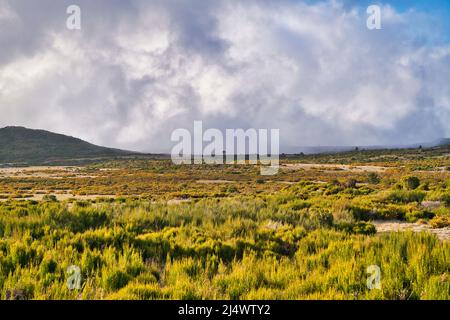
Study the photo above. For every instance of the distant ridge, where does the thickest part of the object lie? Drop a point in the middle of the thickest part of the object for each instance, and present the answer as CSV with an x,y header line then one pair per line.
x,y
339,149
19,145
444,142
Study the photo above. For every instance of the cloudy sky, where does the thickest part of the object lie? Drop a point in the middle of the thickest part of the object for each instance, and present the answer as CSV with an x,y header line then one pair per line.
x,y
137,70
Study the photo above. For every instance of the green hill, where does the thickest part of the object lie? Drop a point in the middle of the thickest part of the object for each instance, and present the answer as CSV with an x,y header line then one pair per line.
x,y
19,145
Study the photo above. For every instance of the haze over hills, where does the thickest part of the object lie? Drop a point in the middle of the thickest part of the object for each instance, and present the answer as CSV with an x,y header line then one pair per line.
x,y
19,145
338,149
23,146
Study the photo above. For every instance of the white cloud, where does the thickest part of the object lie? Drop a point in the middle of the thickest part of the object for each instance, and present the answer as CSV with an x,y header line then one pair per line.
x,y
138,69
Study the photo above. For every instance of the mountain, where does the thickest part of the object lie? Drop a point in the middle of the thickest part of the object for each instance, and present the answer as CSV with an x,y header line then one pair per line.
x,y
19,145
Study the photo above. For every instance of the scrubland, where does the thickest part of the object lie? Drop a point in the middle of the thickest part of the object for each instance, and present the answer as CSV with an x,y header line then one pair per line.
x,y
147,229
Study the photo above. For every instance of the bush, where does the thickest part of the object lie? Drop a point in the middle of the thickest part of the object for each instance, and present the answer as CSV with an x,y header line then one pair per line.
x,y
321,218
297,205
373,178
411,182
415,215
361,213
446,199
48,265
390,212
49,198
360,227
440,222
138,292
405,196
116,279
350,183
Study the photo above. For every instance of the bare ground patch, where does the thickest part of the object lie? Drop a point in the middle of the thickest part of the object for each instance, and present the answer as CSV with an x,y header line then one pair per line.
x,y
215,181
61,197
333,167
178,201
398,226
57,172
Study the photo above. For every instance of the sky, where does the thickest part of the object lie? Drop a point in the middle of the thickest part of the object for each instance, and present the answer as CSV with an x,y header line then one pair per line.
x,y
139,69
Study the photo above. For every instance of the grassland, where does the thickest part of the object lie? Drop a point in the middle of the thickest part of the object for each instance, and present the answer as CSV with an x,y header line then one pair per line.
x,y
147,229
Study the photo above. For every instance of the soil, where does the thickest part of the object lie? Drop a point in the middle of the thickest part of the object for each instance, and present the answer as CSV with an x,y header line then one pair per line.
x,y
398,226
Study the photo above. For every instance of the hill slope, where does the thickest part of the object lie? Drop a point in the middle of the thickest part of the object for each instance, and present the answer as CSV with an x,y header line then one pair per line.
x,y
19,145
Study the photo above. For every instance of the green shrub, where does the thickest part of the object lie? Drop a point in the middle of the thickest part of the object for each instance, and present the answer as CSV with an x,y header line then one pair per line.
x,y
361,213
446,199
48,265
411,182
373,178
21,212
360,227
415,215
390,212
297,205
138,292
49,198
116,279
405,196
321,218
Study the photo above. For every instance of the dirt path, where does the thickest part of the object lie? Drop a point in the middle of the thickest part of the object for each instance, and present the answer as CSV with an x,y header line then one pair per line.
x,y
178,201
215,181
39,172
63,196
333,167
396,226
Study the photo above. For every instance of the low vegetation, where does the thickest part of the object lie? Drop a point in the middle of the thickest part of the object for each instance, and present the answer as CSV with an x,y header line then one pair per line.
x,y
147,229
248,248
